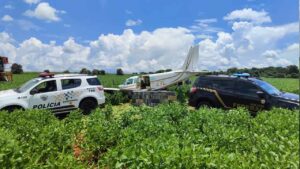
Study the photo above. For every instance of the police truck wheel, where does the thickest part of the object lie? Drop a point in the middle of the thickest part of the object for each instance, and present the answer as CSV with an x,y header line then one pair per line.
x,y
204,104
87,105
11,109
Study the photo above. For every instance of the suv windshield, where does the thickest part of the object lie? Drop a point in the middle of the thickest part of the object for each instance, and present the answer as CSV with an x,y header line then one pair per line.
x,y
27,85
267,87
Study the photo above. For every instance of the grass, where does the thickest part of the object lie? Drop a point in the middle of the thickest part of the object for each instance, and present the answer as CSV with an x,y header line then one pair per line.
x,y
18,80
284,84
166,136
111,80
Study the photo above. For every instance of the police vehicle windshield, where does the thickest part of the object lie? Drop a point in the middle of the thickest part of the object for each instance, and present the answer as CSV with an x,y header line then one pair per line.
x,y
267,87
27,85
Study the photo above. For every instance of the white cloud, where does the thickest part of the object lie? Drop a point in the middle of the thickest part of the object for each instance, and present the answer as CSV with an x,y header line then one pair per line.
x,y
204,36
7,18
5,38
128,12
27,25
207,21
62,11
204,25
270,54
248,14
51,56
44,11
32,1
247,45
131,22
291,53
203,28
146,51
7,47
8,6
67,25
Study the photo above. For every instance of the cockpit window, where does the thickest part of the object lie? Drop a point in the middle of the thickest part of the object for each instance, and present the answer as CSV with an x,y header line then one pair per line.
x,y
129,81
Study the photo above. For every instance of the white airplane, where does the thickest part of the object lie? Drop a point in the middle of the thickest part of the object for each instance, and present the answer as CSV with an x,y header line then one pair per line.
x,y
162,80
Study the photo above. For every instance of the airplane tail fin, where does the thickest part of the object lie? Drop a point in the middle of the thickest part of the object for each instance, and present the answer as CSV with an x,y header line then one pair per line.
x,y
191,61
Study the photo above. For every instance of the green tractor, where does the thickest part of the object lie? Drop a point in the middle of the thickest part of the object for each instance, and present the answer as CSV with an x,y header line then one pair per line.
x,y
4,75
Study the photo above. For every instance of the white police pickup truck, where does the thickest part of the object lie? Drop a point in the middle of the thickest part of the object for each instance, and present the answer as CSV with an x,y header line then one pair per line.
x,y
59,93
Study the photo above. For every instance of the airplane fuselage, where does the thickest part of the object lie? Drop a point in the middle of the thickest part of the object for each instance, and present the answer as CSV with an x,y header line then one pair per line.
x,y
163,80
156,81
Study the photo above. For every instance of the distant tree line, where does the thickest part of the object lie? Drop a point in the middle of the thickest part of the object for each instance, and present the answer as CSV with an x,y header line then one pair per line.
x,y
93,72
291,71
159,71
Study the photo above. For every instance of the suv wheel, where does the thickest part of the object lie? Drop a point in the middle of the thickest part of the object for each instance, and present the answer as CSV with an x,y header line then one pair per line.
x,y
87,105
10,109
204,104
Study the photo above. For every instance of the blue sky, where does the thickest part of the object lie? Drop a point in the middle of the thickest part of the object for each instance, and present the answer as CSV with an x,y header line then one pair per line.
x,y
78,24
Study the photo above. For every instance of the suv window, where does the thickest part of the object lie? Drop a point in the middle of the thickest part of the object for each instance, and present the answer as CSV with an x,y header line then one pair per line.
x,y
93,82
70,83
223,84
48,86
203,82
247,88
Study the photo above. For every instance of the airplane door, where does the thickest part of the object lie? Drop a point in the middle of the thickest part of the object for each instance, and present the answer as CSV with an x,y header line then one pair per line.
x,y
145,83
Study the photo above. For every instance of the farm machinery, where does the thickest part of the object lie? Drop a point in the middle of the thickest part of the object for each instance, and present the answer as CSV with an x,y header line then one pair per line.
x,y
4,74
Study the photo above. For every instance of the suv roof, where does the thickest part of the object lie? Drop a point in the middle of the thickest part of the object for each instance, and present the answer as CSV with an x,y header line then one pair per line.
x,y
72,75
220,76
210,77
51,75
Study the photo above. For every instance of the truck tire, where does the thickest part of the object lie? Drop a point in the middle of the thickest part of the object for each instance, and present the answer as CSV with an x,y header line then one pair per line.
x,y
11,109
204,104
87,105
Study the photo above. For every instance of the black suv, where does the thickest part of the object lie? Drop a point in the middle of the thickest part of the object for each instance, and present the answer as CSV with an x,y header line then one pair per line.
x,y
234,91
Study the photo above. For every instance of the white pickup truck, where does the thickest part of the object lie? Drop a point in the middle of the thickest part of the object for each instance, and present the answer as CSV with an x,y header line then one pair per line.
x,y
59,93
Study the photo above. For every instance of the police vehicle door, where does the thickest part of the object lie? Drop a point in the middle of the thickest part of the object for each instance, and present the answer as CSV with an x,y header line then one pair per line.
x,y
70,92
224,92
43,95
247,96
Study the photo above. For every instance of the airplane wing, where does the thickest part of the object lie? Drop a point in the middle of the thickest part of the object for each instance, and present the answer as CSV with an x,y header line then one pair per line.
x,y
111,89
187,71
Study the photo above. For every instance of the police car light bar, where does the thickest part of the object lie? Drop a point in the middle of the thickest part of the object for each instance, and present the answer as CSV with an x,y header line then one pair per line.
x,y
246,75
45,74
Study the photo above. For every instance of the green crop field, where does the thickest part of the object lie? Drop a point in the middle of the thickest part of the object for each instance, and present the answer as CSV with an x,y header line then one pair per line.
x,y
167,136
285,84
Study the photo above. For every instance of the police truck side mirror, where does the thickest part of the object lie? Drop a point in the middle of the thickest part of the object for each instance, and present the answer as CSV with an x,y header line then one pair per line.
x,y
260,94
34,91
